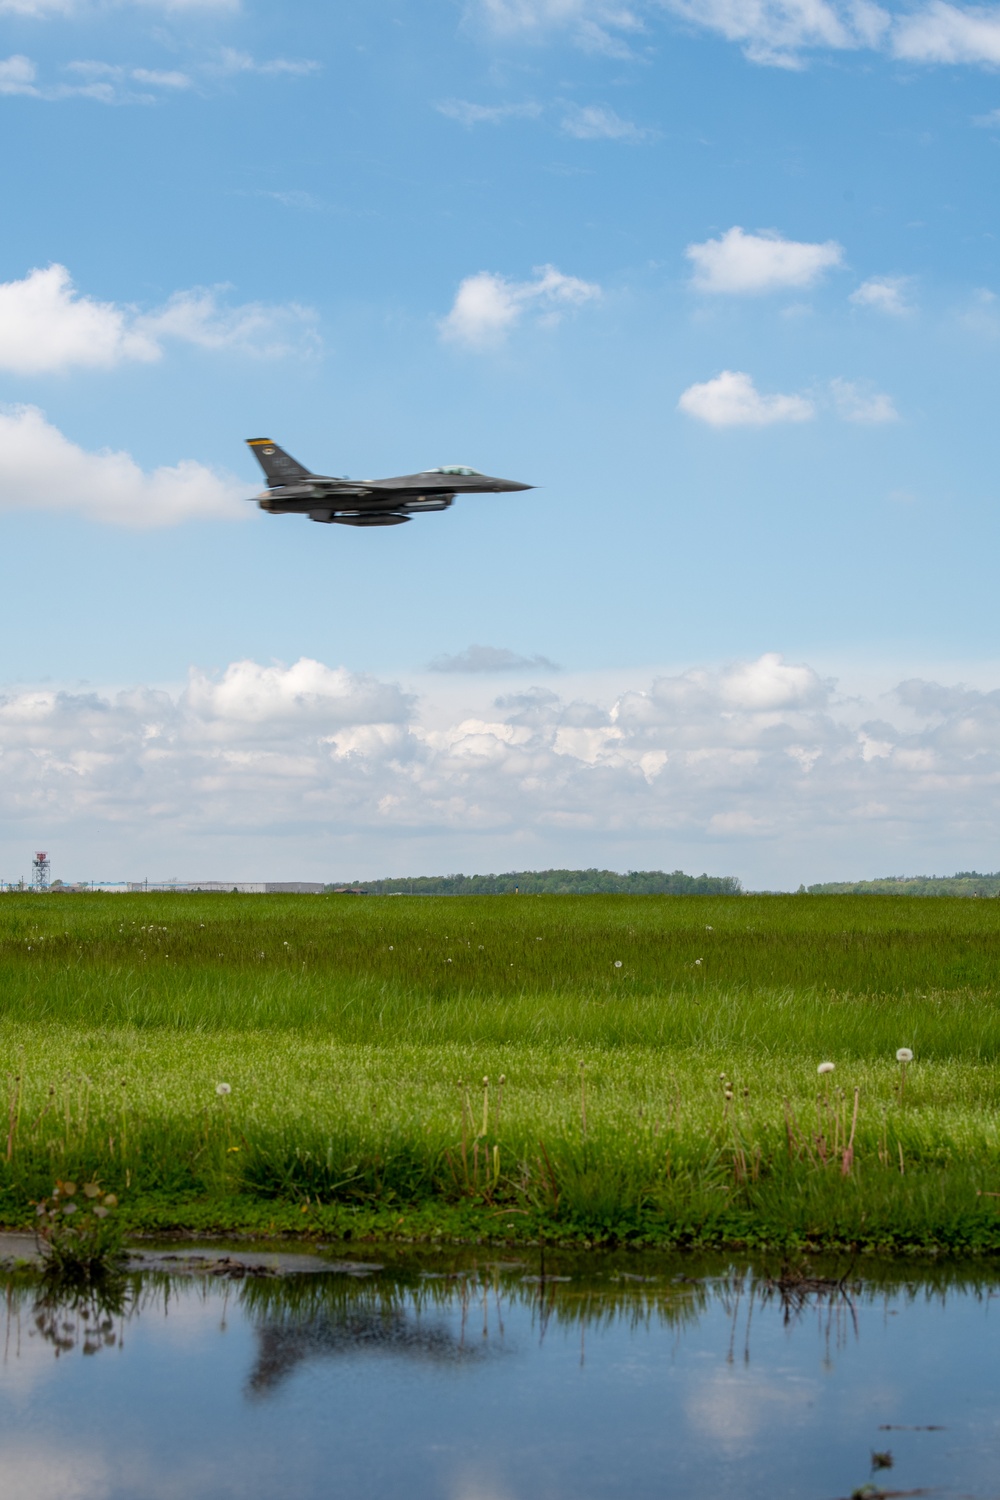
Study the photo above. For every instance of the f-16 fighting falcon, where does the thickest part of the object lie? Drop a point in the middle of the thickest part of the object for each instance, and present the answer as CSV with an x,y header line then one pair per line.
x,y
293,490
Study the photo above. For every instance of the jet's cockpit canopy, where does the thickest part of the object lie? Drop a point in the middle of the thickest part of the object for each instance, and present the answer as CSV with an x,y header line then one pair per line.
x,y
455,469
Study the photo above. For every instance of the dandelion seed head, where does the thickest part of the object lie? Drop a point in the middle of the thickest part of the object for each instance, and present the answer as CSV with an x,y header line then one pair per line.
x,y
618,963
223,1088
826,1067
904,1055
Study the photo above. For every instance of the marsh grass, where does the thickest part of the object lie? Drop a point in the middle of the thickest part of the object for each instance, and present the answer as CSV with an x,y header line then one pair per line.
x,y
664,1100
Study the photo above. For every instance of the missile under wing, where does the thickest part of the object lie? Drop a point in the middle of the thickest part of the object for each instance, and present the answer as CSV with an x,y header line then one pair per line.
x,y
295,490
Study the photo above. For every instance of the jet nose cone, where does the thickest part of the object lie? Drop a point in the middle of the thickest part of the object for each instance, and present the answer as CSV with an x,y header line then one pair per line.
x,y
513,484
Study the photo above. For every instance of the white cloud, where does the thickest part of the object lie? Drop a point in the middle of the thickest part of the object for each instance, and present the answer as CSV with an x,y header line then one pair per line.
x,y
232,61
748,263
113,74
982,314
44,9
771,683
941,33
469,114
116,83
198,317
759,750
732,400
17,75
598,26
41,469
596,122
488,306
46,326
491,659
582,122
857,402
774,33
883,293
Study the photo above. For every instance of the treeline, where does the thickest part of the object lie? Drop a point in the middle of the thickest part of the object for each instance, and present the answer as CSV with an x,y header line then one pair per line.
x,y
965,883
554,883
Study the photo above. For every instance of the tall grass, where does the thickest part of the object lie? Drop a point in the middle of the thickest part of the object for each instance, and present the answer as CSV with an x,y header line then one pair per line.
x,y
666,1100
853,973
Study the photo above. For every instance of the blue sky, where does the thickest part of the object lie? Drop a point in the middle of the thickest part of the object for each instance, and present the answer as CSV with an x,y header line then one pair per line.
x,y
719,278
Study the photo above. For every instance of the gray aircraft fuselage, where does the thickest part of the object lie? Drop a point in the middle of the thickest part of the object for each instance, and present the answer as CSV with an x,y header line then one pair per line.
x,y
293,490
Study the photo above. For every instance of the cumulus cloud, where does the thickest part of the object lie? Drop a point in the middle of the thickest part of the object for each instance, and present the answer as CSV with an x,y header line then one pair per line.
x,y
883,293
596,122
47,326
469,114
41,469
732,400
742,263
491,659
488,306
755,750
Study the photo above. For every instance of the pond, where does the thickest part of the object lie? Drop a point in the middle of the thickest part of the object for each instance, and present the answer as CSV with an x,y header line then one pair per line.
x,y
492,1378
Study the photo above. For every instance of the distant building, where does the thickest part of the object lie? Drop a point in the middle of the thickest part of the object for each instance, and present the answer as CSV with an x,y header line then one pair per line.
x,y
242,887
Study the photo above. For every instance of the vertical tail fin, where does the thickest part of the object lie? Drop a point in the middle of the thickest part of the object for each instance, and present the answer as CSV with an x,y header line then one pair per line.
x,y
279,467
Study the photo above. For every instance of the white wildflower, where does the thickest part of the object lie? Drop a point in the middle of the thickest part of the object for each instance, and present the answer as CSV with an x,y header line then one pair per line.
x,y
223,1088
826,1067
904,1055
618,963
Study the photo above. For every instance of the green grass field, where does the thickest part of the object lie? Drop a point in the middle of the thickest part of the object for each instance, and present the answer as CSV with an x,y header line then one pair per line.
x,y
356,1034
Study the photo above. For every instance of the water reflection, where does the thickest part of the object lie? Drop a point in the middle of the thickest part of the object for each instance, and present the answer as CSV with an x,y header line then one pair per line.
x,y
67,1316
488,1379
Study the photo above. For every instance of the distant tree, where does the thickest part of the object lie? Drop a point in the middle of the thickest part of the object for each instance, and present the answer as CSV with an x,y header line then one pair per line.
x,y
966,883
554,883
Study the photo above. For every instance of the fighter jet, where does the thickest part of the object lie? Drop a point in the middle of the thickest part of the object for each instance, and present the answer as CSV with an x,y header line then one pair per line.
x,y
293,490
